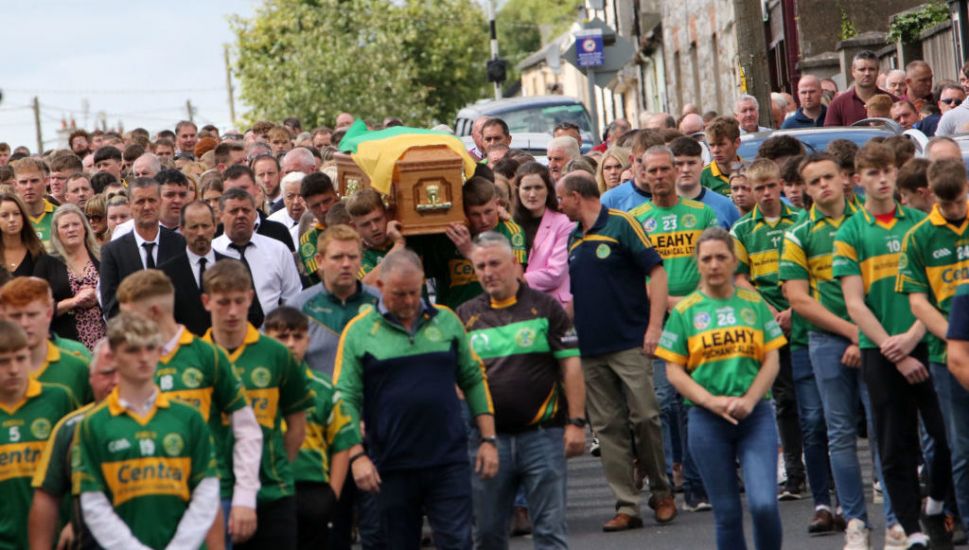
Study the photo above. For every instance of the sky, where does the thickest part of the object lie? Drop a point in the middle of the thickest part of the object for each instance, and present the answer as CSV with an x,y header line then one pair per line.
x,y
136,61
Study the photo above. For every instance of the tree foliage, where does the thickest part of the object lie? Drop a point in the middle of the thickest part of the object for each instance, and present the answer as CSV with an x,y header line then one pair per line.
x,y
420,60
523,24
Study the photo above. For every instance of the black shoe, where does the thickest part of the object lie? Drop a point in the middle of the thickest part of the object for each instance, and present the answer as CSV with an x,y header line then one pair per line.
x,y
939,537
521,524
791,491
696,502
953,524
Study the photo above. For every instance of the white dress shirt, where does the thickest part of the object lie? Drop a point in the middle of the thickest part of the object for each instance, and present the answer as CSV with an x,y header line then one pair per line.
x,y
193,261
273,269
283,217
144,253
128,226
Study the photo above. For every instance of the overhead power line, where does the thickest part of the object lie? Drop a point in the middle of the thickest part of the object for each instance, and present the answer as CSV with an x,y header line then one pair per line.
x,y
153,91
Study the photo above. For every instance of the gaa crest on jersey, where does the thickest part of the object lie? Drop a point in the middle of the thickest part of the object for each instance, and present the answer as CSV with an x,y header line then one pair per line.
x,y
701,320
649,225
748,316
260,377
689,221
518,239
192,378
307,249
173,444
480,342
525,337
40,428
902,261
603,251
433,334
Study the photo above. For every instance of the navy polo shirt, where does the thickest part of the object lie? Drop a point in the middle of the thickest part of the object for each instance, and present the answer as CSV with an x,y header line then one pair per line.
x,y
608,267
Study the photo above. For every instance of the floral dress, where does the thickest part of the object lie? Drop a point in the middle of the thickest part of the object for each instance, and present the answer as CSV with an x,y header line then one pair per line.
x,y
89,321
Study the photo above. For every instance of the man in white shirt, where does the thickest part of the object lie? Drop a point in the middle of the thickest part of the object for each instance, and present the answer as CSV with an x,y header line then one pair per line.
x,y
294,207
274,274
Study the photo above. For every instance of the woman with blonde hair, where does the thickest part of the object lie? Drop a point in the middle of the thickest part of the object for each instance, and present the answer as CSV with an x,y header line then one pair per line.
x,y
613,163
73,273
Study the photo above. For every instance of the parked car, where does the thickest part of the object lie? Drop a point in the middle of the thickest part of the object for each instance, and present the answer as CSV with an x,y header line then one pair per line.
x,y
817,139
530,115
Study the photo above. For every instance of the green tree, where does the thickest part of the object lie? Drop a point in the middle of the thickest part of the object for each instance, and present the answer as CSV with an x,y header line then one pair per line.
x,y
524,26
374,58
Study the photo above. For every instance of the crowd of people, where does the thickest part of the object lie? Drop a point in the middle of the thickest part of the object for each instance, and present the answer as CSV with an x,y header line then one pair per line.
x,y
203,342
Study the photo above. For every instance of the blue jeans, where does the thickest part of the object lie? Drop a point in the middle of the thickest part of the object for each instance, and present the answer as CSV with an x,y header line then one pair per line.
x,y
671,413
535,462
753,441
841,387
954,402
813,430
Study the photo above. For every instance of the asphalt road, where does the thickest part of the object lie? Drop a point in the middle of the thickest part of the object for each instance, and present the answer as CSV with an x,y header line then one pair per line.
x,y
590,504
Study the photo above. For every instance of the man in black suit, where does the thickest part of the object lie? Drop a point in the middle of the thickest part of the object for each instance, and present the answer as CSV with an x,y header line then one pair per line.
x,y
185,270
242,177
147,247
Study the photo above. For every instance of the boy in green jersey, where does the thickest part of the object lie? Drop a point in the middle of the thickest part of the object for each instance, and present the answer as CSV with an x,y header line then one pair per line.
x,y
199,373
143,463
28,302
814,293
674,224
319,195
321,465
28,410
276,387
723,137
31,186
894,359
758,237
368,215
934,263
52,479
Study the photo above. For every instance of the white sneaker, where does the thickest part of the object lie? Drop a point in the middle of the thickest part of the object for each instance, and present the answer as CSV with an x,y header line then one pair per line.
x,y
895,538
857,536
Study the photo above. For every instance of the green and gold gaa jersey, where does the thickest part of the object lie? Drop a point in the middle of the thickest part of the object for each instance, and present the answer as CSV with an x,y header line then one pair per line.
x,y
757,242
42,224
329,430
721,342
866,247
808,255
147,466
275,386
24,430
674,232
68,371
371,258
307,251
934,261
199,373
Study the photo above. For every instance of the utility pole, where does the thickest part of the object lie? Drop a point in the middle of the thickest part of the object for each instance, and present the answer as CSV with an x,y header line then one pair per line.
x,y
189,110
752,56
40,138
228,85
495,62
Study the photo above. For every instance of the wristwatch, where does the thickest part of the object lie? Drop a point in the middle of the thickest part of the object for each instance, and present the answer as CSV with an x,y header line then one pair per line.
x,y
578,421
493,441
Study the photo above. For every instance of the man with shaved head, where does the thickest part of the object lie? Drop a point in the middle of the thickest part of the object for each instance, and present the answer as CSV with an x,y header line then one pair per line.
x,y
691,123
811,112
918,80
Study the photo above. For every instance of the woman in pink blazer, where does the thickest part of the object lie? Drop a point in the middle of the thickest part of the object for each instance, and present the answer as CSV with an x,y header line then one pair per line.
x,y
546,229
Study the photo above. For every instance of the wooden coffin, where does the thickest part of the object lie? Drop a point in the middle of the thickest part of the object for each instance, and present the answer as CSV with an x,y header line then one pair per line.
x,y
425,194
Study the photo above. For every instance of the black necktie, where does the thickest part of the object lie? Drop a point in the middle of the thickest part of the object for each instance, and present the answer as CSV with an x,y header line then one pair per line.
x,y
202,262
149,259
241,249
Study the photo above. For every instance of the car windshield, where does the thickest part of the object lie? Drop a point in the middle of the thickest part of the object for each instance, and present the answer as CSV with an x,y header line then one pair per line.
x,y
544,119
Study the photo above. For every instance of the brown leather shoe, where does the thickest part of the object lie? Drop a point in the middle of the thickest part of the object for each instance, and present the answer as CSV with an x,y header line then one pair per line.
x,y
521,525
622,522
822,522
664,508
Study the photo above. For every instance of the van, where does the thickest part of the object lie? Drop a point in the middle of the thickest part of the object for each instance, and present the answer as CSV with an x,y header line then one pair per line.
x,y
530,115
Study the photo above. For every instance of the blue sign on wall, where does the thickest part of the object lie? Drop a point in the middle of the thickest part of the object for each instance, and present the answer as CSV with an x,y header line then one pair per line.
x,y
588,48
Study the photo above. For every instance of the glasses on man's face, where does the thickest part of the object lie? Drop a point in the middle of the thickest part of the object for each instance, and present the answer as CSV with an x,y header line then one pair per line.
x,y
950,101
95,218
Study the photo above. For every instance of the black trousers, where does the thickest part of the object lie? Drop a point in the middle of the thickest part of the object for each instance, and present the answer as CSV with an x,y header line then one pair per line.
x,y
315,505
896,406
276,529
788,422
